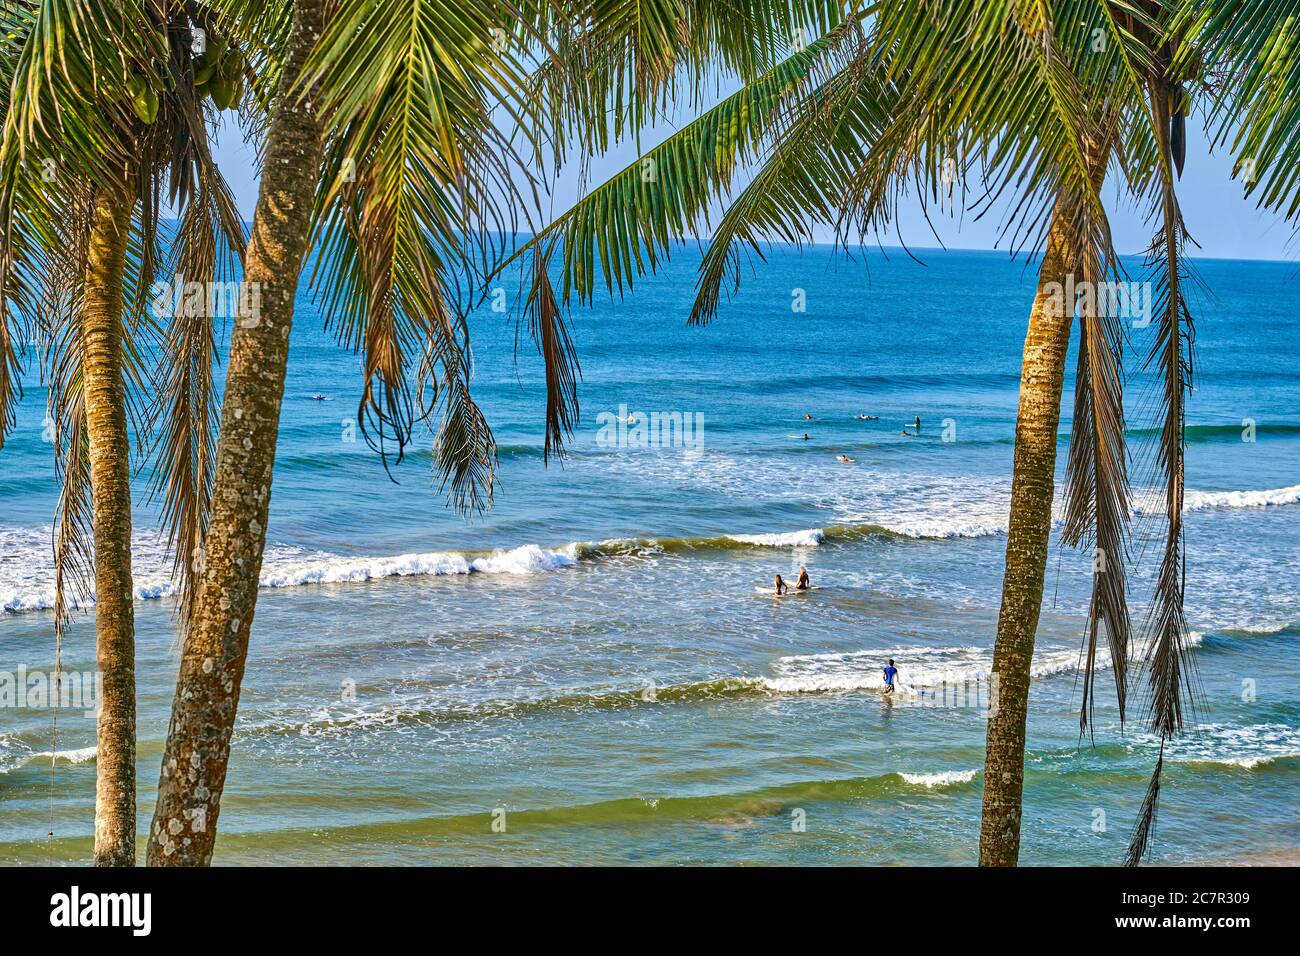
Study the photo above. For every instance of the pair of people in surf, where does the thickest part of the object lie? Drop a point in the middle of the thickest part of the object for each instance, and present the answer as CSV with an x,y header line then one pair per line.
x,y
802,584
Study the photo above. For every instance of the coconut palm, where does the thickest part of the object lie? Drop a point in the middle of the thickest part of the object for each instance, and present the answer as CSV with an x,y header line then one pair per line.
x,y
382,153
419,191
1040,101
102,121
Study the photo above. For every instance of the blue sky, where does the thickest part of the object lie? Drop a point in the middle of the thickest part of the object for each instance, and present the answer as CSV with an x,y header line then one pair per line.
x,y
1225,225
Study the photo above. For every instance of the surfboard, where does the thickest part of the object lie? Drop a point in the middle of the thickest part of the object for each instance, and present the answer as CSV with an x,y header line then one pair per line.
x,y
772,591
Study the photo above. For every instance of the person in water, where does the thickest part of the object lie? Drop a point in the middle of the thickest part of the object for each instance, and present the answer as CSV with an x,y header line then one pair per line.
x,y
781,586
805,436
846,458
891,673
802,584
807,418
918,424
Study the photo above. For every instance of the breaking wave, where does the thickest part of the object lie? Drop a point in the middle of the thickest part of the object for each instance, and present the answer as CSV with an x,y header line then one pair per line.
x,y
25,549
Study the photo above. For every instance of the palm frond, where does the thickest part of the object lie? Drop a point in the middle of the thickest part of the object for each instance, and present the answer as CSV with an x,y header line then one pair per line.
x,y
1144,830
1168,666
419,187
820,140
465,452
185,412
69,93
1254,47
1097,491
60,333
618,65
622,228
551,336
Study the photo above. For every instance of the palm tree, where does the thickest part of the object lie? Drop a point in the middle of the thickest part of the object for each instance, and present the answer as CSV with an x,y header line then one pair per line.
x,y
1042,100
383,153
103,104
418,194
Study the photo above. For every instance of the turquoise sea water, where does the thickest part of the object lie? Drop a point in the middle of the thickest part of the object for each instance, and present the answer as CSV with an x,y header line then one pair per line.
x,y
591,663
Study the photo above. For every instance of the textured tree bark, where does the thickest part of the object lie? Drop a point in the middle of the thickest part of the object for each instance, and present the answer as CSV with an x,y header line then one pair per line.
x,y
1042,374
110,495
193,774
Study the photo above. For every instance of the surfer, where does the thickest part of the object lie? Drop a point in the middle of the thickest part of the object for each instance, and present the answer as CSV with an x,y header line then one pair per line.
x,y
807,417
781,586
805,436
918,424
318,397
802,583
891,672
846,458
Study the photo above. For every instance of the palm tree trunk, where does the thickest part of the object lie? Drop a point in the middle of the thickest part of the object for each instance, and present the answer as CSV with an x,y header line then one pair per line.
x,y
193,774
1042,374
110,483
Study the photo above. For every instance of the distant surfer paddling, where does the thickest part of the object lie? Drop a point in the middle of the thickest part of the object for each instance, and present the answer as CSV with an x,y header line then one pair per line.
x,y
891,674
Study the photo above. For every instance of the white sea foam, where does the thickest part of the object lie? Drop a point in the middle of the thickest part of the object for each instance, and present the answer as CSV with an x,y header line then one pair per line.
x,y
944,778
945,526
80,755
791,539
1249,747
982,515
1274,497
14,754
333,569
938,508
26,579
919,668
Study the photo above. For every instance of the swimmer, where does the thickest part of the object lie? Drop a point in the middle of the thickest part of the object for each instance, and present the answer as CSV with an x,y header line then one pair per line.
x,y
891,673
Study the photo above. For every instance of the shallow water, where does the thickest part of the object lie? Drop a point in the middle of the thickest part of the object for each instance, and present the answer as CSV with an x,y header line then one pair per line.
x,y
590,662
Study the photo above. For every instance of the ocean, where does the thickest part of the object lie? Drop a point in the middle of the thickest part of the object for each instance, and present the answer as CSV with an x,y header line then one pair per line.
x,y
589,674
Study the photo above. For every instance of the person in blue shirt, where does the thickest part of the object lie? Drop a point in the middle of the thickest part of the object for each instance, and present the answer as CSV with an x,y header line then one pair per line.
x,y
891,672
